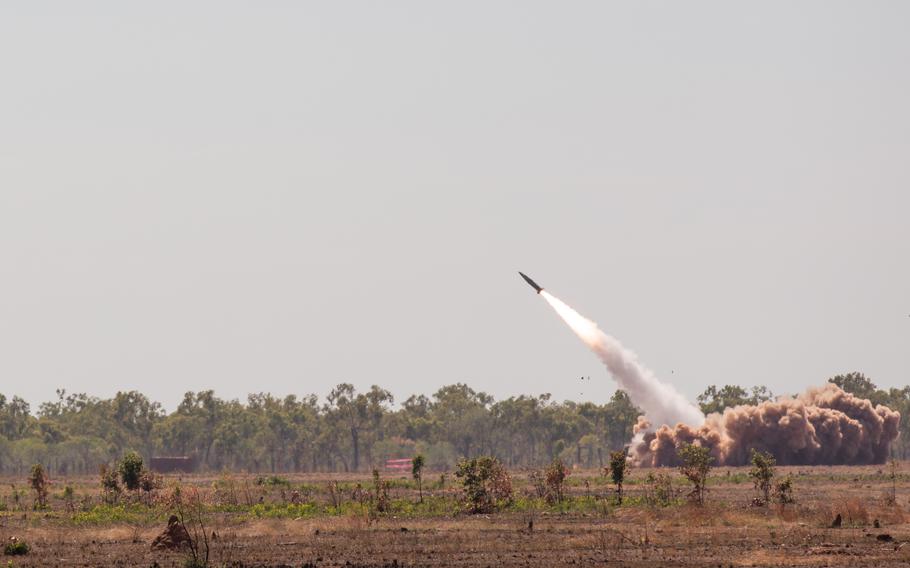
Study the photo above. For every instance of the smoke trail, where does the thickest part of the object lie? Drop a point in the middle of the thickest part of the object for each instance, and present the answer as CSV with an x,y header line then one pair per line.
x,y
661,402
823,426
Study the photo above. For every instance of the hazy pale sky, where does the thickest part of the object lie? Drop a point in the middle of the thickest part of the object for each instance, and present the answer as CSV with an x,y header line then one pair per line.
x,y
282,196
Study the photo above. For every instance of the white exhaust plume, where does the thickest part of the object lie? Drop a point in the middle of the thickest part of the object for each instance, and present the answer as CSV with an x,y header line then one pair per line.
x,y
661,403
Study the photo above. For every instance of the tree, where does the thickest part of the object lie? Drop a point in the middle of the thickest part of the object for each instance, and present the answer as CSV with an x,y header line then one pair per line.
x,y
859,385
198,416
620,416
618,466
16,420
462,417
357,412
696,464
135,416
417,473
716,400
762,473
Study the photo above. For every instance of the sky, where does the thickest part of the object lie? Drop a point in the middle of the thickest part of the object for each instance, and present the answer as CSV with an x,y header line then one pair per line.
x,y
284,196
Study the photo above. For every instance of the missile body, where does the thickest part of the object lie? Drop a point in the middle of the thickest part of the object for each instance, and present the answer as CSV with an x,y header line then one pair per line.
x,y
531,283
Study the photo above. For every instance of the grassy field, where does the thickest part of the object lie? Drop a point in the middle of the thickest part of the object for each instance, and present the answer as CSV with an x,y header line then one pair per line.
x,y
333,520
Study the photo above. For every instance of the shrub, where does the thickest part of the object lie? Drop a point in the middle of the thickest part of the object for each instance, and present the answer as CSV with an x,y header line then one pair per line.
x,y
659,489
555,477
130,469
273,480
417,473
696,463
618,466
110,484
38,480
16,547
762,473
783,491
893,466
380,497
486,484
335,494
149,482
69,499
191,514
538,480
549,483
17,495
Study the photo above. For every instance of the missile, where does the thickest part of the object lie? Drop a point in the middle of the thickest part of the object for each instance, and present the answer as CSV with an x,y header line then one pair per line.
x,y
531,282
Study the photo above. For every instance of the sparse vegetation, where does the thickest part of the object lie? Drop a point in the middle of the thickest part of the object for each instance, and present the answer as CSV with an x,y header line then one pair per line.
x,y
130,469
617,470
486,483
696,463
893,467
417,465
38,480
783,491
659,489
555,478
16,547
272,480
379,498
350,506
762,474
191,514
110,484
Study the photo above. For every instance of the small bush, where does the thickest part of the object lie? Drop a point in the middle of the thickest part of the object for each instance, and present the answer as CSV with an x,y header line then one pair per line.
x,y
696,463
555,477
538,480
893,467
149,482
16,547
762,473
273,480
417,472
783,491
617,471
130,469
549,483
69,499
659,490
486,483
38,480
379,499
110,484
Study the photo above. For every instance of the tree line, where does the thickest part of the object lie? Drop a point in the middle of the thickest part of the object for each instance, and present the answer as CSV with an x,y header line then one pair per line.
x,y
348,431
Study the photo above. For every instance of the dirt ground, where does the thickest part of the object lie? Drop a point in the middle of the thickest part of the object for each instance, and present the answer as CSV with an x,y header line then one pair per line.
x,y
727,531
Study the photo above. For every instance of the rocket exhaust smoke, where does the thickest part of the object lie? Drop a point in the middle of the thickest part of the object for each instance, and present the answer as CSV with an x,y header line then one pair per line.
x,y
661,402
825,426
